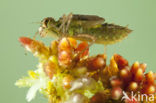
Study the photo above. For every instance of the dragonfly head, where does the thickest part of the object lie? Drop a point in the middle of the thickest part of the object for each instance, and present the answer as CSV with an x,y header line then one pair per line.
x,y
48,26
46,22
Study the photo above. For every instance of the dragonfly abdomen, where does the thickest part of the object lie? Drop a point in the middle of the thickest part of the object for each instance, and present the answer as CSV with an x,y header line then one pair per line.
x,y
104,34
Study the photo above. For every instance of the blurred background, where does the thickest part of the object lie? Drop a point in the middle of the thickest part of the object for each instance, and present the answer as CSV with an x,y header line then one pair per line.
x,y
18,17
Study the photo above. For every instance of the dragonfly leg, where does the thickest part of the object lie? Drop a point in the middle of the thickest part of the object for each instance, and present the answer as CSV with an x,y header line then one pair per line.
x,y
92,38
92,41
65,23
69,18
88,37
62,26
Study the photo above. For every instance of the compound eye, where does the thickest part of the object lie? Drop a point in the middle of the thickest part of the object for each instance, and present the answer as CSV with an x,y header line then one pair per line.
x,y
46,22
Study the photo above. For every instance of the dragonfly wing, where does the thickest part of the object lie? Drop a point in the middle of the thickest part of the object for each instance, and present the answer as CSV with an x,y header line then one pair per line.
x,y
105,34
85,20
111,33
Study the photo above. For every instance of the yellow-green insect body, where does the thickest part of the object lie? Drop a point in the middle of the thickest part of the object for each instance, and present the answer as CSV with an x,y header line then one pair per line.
x,y
103,34
85,27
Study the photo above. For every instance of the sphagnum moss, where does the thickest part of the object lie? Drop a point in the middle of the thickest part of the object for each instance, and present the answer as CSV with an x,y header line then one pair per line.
x,y
67,74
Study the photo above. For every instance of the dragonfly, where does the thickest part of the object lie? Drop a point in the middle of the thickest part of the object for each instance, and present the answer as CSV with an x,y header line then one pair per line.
x,y
90,28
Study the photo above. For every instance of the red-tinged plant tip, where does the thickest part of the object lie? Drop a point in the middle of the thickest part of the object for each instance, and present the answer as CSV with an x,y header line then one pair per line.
x,y
49,69
125,74
64,44
82,49
54,47
25,41
96,63
100,97
139,75
135,67
133,86
122,63
143,66
67,81
64,58
149,89
36,47
115,82
73,42
67,44
66,48
116,93
150,79
100,61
